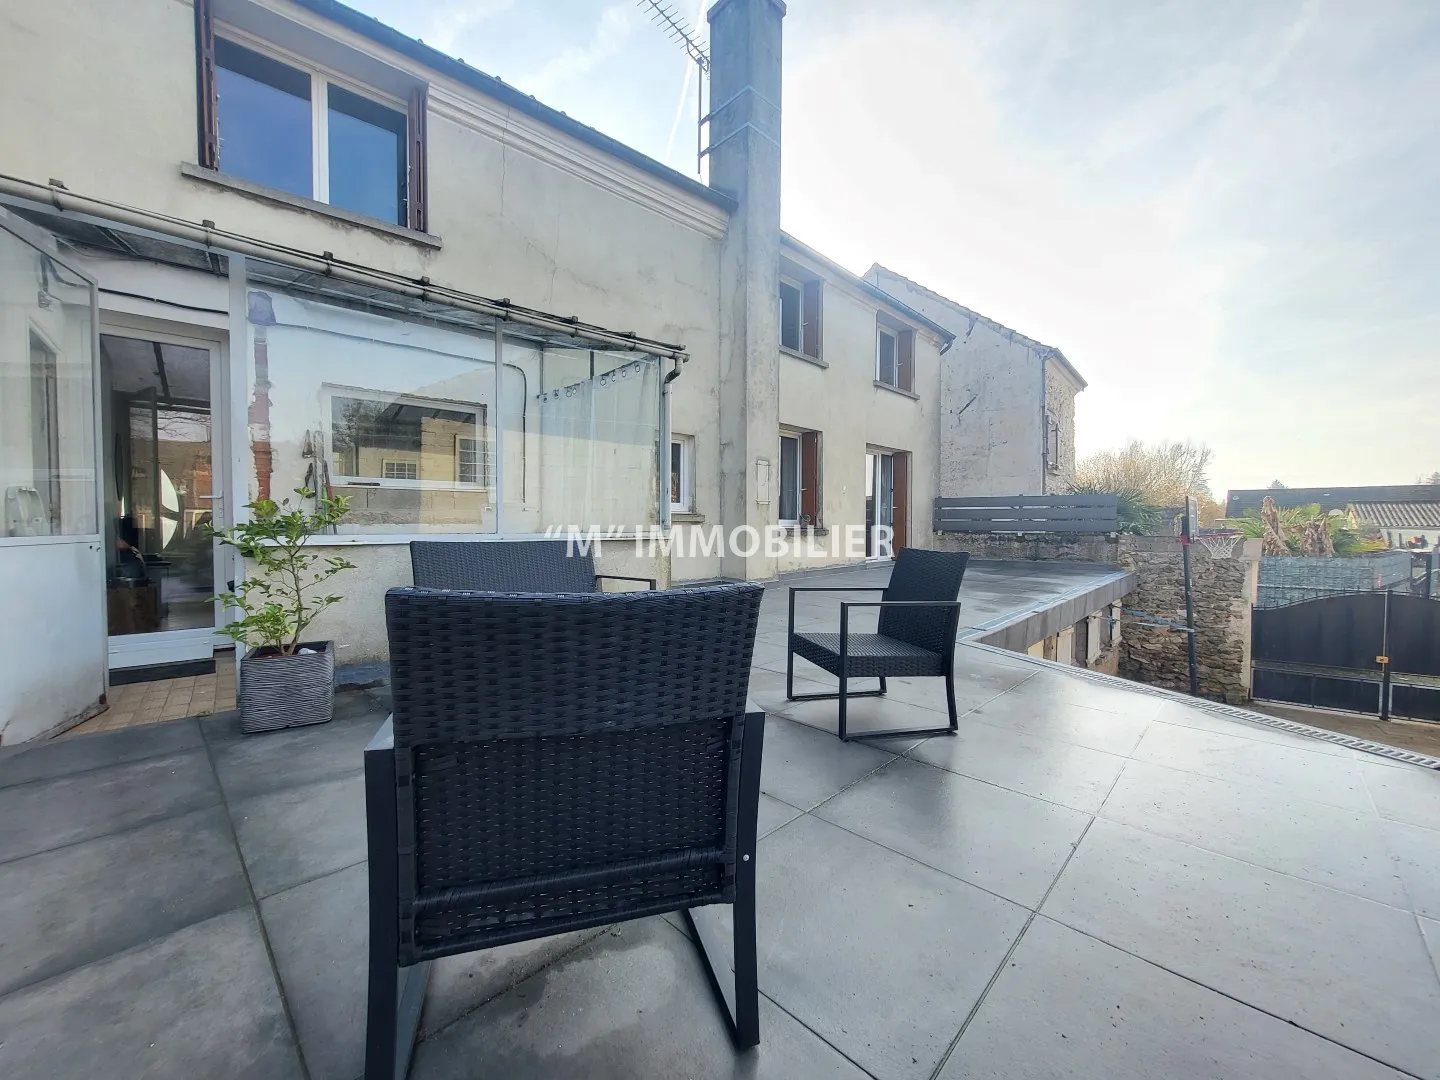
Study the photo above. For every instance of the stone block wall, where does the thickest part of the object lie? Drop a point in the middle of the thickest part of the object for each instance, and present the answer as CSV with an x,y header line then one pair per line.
x,y
1032,548
1224,591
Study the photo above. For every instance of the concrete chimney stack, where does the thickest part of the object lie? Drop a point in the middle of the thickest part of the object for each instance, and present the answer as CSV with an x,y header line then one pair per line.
x,y
744,130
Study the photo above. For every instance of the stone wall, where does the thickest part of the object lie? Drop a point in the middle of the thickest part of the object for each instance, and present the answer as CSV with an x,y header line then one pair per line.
x,y
1033,548
1224,591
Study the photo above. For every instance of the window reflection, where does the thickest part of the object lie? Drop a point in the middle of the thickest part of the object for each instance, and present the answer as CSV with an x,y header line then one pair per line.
x,y
264,118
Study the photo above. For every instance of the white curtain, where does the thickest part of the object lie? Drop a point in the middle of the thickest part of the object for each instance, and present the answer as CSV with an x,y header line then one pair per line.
x,y
598,452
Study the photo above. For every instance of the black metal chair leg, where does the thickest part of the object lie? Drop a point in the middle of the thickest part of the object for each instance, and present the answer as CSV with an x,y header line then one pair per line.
x,y
883,687
950,700
843,696
741,998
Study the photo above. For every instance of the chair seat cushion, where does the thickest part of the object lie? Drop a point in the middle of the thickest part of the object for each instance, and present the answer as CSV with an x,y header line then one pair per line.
x,y
869,655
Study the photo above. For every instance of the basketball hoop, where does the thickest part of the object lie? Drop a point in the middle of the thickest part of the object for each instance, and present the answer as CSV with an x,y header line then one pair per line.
x,y
1220,545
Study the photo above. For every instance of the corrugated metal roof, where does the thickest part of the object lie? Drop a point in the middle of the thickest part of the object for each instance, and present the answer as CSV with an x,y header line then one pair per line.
x,y
1406,515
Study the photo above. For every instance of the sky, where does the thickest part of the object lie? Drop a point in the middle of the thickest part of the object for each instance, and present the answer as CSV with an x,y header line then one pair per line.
x,y
1225,214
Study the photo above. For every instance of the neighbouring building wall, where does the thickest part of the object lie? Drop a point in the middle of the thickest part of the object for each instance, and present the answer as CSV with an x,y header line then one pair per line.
x,y
995,388
1224,592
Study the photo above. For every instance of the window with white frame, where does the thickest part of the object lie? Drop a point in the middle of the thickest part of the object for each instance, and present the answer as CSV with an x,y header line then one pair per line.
x,y
391,440
682,474
402,470
291,126
894,356
800,316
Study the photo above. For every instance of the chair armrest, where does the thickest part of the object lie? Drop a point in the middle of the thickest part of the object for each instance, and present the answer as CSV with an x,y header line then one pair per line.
x,y
837,588
900,603
819,588
383,740
622,577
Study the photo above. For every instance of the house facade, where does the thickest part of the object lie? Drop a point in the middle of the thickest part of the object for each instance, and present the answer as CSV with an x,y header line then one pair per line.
x,y
1007,402
250,246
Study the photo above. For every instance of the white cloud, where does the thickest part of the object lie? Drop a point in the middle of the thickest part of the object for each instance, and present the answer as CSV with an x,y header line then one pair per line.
x,y
614,29
451,22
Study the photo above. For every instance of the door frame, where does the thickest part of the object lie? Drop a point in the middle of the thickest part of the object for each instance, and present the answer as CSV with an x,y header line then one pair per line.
x,y
196,643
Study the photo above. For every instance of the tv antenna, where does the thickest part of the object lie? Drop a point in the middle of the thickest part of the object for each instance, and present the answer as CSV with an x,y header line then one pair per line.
x,y
664,15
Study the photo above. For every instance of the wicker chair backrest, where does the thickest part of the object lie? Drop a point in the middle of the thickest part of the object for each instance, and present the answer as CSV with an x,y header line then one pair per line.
x,y
924,575
472,666
513,566
565,760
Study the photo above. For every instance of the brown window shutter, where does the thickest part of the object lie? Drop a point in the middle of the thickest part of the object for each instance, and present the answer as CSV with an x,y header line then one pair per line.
x,y
810,476
810,335
901,466
417,207
905,361
206,106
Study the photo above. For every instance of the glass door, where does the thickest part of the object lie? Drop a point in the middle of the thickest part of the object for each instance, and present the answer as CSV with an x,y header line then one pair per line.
x,y
161,497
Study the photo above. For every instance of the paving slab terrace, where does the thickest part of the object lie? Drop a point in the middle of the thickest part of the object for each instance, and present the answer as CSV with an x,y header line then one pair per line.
x,y
1092,880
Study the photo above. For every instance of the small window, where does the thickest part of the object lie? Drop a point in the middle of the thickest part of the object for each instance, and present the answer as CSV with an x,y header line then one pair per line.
x,y
402,470
351,152
682,474
800,316
895,356
1052,440
469,460
800,478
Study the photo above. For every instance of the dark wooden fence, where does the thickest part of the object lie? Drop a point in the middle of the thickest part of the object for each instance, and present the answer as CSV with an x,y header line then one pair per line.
x,y
1028,514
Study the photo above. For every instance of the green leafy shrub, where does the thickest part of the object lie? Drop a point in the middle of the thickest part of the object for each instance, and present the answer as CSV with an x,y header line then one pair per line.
x,y
278,598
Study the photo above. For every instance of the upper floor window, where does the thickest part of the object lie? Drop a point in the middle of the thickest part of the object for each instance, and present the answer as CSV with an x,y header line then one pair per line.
x,y
800,316
274,119
298,131
895,356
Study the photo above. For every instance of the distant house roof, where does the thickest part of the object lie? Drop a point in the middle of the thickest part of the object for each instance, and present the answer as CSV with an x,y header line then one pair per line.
x,y
1332,498
1400,515
1050,352
867,287
461,72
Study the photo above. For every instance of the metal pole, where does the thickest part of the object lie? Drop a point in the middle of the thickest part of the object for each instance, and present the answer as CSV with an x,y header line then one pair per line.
x,y
1189,618
1384,659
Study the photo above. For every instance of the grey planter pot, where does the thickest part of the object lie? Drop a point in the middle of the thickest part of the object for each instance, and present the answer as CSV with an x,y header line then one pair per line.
x,y
287,691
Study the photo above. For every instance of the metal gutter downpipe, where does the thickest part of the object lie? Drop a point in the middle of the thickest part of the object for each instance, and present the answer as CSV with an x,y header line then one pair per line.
x,y
208,236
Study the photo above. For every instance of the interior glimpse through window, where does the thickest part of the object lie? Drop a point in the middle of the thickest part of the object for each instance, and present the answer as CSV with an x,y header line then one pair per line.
x,y
682,471
789,479
264,119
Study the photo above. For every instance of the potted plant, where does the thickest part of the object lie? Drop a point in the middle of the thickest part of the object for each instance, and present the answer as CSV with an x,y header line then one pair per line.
x,y
283,681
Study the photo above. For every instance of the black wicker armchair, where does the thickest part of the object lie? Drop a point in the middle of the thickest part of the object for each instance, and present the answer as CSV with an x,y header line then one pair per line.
x,y
555,763
919,621
512,566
